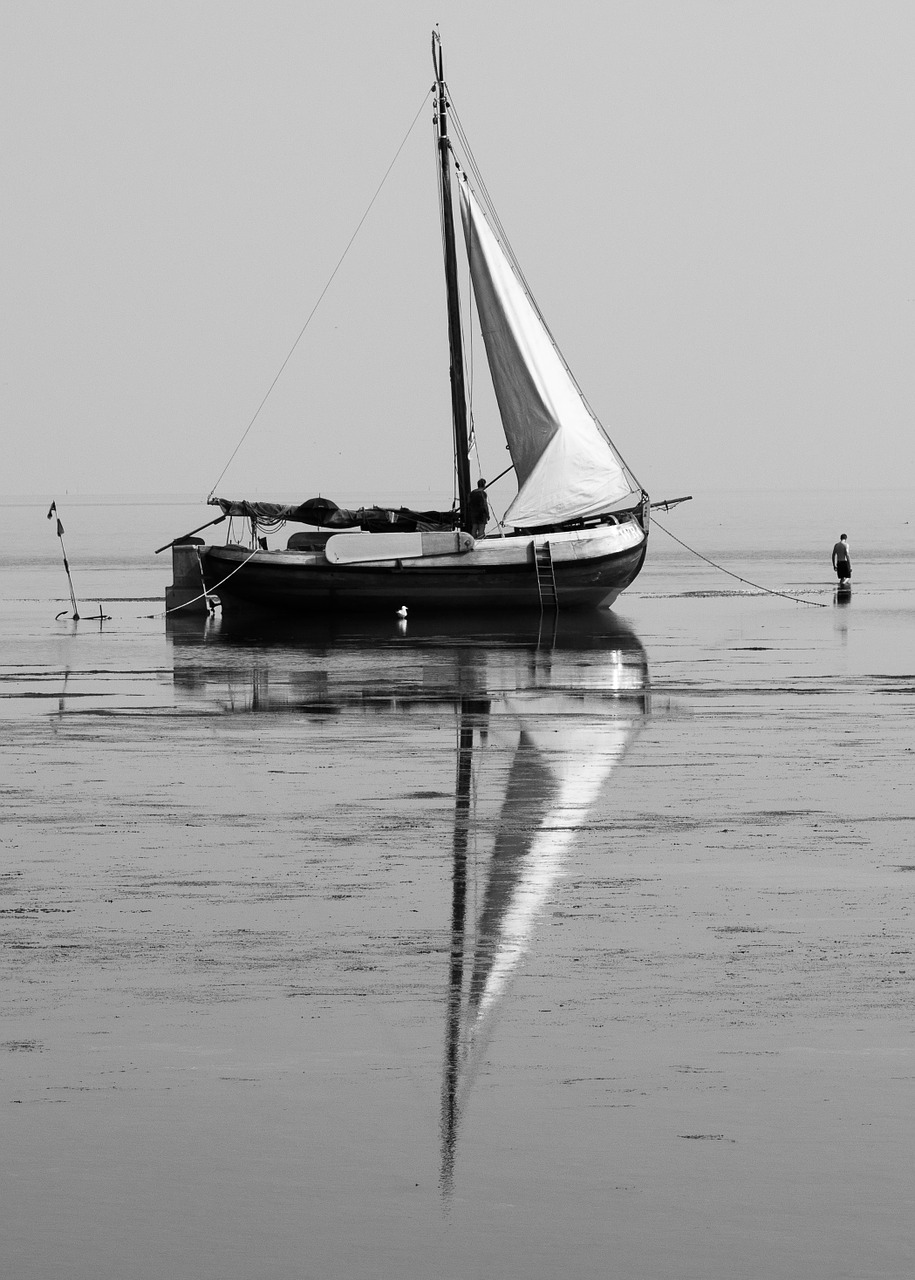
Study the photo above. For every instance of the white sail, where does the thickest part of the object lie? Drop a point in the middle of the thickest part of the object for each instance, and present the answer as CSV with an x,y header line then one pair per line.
x,y
566,467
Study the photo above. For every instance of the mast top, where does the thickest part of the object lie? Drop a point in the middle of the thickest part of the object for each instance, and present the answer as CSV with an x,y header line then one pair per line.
x,y
438,66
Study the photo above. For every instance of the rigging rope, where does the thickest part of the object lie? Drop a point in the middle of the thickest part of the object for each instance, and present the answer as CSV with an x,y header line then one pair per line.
x,y
205,594
769,591
321,295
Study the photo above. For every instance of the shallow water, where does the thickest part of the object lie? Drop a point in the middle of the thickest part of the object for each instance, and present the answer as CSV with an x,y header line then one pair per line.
x,y
426,950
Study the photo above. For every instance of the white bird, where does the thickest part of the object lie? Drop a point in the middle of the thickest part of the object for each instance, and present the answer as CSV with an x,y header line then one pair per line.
x,y
402,611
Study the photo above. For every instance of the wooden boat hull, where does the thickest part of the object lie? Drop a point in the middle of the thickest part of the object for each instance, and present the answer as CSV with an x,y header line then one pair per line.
x,y
591,568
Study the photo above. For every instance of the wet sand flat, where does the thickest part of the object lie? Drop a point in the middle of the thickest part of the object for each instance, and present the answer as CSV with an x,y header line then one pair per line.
x,y
425,954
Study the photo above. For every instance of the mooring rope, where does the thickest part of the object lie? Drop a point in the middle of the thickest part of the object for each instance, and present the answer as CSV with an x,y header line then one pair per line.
x,y
205,594
746,581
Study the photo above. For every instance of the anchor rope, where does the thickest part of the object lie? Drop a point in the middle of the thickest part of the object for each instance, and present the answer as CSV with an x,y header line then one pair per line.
x,y
330,281
756,585
205,594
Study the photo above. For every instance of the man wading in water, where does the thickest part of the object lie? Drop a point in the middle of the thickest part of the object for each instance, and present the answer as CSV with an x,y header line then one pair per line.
x,y
841,561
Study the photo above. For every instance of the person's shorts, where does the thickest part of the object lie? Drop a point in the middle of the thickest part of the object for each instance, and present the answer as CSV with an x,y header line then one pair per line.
x,y
843,569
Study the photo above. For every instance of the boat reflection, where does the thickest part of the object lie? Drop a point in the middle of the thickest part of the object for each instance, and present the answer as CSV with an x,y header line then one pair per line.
x,y
240,666
540,726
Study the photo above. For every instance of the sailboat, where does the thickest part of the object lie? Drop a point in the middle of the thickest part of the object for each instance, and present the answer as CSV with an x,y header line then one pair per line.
x,y
575,534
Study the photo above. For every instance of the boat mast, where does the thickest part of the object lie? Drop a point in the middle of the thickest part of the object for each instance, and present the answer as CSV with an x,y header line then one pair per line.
x,y
458,390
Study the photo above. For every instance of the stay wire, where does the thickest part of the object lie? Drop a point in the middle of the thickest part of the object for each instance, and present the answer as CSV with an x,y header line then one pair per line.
x,y
757,586
321,295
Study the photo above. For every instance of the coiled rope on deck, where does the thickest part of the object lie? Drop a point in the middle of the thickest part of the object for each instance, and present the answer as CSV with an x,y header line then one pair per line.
x,y
817,604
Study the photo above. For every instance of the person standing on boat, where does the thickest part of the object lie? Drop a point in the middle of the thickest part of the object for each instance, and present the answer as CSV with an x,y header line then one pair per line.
x,y
478,505
841,560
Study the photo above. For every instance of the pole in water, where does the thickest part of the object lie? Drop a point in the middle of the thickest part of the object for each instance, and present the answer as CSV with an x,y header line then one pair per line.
x,y
63,549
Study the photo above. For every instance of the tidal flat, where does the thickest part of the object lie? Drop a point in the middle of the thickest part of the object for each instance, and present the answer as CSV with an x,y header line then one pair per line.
x,y
432,950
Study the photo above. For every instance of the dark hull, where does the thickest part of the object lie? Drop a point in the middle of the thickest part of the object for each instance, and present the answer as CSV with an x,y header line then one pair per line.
x,y
314,589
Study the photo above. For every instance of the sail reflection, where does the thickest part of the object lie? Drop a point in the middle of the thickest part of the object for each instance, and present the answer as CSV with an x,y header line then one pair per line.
x,y
539,729
566,747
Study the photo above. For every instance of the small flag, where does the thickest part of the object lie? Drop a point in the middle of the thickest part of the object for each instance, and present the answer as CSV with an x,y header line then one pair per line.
x,y
53,509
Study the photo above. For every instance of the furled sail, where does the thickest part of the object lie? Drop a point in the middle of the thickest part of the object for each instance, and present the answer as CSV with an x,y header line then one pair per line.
x,y
566,467
324,513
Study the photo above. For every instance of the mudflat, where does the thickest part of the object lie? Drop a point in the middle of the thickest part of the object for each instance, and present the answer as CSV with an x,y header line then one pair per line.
x,y
417,951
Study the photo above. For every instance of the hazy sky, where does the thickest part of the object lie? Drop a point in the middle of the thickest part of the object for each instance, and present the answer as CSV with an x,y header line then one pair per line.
x,y
713,202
